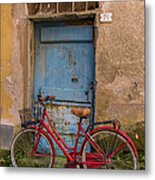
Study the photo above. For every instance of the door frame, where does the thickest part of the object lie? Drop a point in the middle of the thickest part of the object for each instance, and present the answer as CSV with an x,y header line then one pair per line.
x,y
31,52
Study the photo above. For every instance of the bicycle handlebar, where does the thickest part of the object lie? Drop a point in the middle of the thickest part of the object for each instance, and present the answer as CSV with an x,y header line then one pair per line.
x,y
41,100
47,98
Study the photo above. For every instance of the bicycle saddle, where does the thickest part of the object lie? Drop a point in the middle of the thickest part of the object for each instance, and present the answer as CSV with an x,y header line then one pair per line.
x,y
81,112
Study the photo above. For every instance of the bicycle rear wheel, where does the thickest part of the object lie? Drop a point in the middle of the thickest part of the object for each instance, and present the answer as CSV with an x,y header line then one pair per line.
x,y
118,152
21,150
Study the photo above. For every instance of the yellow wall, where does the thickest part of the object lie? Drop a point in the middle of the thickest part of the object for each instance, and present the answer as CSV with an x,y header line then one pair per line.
x,y
6,42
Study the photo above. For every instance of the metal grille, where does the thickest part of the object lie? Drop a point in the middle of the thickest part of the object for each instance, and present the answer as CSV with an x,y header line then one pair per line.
x,y
61,7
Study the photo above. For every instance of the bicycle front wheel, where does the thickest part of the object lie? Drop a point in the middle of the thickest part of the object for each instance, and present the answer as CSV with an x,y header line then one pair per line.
x,y
21,150
117,152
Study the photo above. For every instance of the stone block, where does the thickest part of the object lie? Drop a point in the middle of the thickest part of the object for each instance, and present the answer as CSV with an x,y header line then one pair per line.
x,y
6,135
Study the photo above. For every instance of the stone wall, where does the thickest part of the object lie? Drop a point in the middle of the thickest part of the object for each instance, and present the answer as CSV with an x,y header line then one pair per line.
x,y
120,62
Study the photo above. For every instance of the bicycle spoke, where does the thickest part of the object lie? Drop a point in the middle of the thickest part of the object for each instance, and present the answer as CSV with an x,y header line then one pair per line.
x,y
22,150
119,153
117,150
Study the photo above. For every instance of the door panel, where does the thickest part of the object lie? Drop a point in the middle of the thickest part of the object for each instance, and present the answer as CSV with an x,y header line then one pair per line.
x,y
64,67
68,71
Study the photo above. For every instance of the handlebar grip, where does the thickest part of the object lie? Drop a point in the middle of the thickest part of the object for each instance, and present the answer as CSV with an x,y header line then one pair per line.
x,y
41,99
46,98
52,97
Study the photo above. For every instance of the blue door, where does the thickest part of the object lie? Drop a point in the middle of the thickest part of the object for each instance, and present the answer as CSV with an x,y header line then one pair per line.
x,y
64,67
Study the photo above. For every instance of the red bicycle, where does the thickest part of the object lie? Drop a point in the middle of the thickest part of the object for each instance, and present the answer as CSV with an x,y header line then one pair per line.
x,y
104,147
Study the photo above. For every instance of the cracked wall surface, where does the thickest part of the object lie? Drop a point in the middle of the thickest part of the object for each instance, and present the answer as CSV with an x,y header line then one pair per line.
x,y
13,62
119,62
6,39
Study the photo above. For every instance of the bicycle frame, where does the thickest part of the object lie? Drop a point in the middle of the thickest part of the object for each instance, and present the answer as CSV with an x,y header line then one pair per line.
x,y
73,158
100,145
59,140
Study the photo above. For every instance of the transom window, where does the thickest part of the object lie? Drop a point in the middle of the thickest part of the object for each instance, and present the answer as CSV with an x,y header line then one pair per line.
x,y
60,7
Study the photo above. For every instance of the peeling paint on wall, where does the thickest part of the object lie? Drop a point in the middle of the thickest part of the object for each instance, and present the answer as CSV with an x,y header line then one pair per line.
x,y
119,60
66,124
6,67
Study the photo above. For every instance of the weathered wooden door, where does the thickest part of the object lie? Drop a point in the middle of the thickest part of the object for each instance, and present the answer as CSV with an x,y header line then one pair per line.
x,y
64,67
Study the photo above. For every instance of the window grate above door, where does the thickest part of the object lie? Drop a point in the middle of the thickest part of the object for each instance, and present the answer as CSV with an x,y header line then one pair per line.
x,y
60,7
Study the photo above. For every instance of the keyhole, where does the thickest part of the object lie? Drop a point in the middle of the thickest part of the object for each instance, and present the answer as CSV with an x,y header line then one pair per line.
x,y
74,79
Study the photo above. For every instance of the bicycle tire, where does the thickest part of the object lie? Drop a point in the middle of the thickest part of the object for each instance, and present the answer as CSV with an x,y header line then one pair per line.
x,y
109,140
22,146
